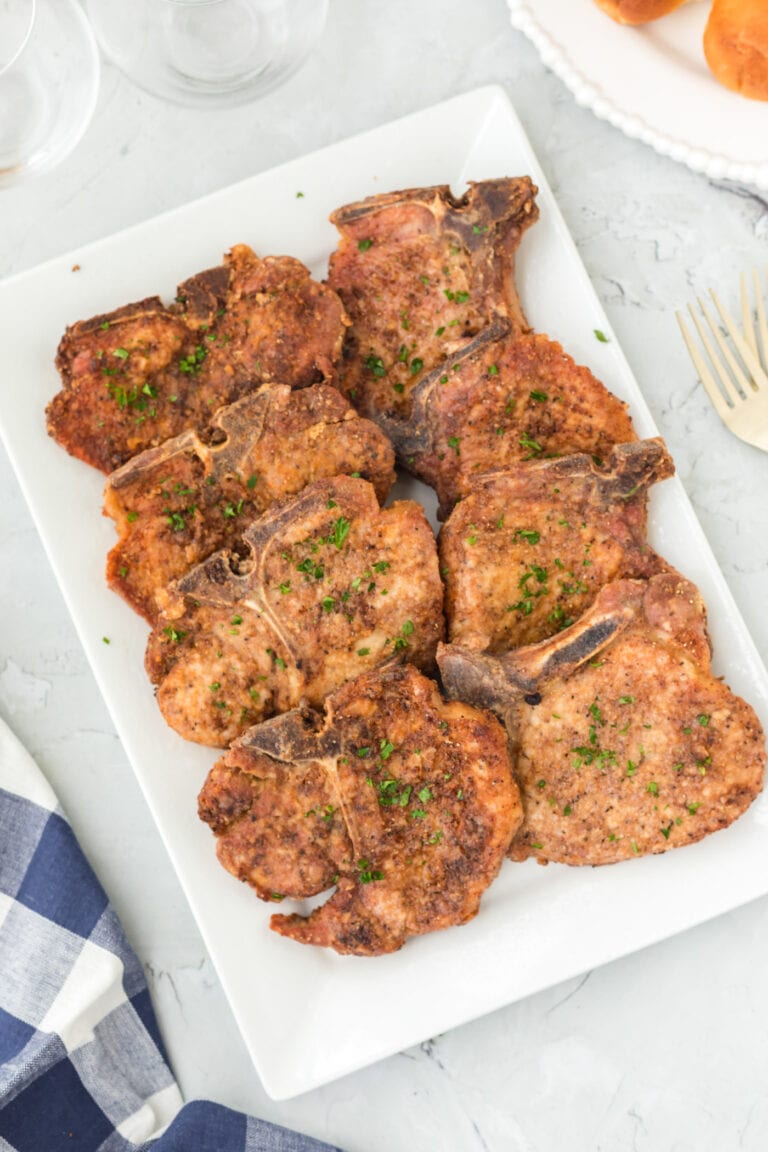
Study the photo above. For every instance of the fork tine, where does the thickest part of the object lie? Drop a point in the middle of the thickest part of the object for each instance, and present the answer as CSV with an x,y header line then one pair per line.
x,y
738,374
761,324
759,378
714,393
726,384
746,312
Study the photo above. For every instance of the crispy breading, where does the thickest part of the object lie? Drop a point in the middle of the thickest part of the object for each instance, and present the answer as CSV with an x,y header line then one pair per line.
x,y
625,744
176,504
527,552
333,586
418,271
139,375
403,802
499,401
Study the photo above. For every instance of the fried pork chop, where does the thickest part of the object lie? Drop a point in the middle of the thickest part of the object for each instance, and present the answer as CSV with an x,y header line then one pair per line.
x,y
624,742
333,586
527,552
403,802
502,400
176,504
146,372
418,271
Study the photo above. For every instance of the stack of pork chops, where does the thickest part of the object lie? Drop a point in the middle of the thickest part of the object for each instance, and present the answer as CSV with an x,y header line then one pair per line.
x,y
250,431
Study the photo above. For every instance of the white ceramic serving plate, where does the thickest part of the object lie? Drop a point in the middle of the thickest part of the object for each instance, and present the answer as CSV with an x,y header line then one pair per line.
x,y
308,1015
653,83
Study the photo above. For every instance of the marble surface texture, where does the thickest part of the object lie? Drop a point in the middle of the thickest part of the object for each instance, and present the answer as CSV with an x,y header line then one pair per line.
x,y
664,1050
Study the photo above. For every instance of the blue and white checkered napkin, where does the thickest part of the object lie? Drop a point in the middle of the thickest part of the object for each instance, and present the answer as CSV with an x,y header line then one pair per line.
x,y
82,1066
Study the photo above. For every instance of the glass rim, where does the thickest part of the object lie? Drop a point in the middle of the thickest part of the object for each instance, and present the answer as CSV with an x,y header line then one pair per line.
x,y
24,40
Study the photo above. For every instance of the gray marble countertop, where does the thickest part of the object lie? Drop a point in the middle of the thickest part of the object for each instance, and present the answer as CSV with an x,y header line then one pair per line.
x,y
663,1050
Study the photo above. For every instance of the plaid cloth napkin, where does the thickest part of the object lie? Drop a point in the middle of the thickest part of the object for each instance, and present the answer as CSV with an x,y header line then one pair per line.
x,y
82,1065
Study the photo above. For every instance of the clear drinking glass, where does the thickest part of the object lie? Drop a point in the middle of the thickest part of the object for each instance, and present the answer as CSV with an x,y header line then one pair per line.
x,y
211,52
49,82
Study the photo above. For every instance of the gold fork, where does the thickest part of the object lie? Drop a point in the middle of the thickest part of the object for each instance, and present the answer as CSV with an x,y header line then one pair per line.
x,y
740,392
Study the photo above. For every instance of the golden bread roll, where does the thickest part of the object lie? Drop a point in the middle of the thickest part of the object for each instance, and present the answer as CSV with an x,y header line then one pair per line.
x,y
736,45
638,11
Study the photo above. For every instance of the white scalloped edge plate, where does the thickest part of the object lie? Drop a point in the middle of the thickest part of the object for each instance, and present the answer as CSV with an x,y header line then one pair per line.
x,y
653,83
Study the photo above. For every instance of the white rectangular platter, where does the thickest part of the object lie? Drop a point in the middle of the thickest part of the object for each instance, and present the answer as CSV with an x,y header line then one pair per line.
x,y
308,1015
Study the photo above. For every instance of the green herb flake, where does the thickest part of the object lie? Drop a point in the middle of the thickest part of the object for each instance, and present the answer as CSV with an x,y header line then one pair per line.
x,y
173,635
375,364
364,245
367,873
601,336
340,531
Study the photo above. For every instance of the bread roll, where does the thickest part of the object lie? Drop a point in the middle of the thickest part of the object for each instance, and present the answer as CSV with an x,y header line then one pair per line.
x,y
638,11
736,45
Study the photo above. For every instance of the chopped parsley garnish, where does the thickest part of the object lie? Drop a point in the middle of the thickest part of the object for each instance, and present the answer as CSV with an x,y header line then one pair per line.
x,y
340,531
375,364
401,640
367,873
364,245
539,396
252,481
363,651
386,749
533,446
173,635
529,534
601,336
703,720
191,364
328,603
454,442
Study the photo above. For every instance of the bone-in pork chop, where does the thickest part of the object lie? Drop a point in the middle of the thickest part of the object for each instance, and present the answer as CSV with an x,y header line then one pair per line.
x,y
176,504
527,552
500,401
418,271
333,586
146,372
403,802
624,742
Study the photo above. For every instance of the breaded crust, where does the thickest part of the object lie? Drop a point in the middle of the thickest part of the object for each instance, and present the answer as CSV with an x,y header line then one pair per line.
x,y
419,271
499,401
529,549
404,803
176,504
333,586
625,744
142,374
